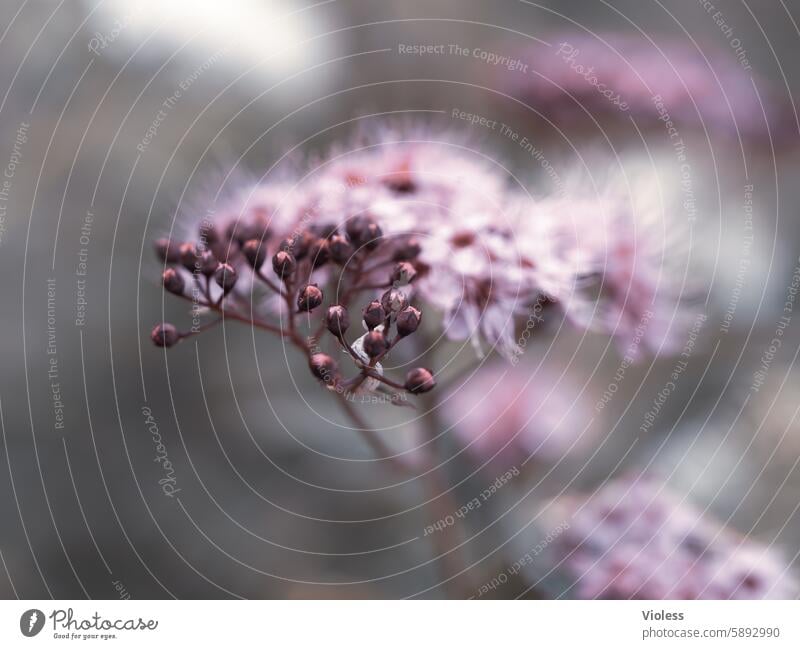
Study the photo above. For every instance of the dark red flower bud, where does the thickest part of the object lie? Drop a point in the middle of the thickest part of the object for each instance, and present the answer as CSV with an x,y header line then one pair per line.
x,y
404,273
324,230
372,236
337,320
173,281
323,367
340,249
164,335
283,264
309,298
207,263
420,380
363,231
408,321
259,228
188,253
167,251
298,244
319,253
407,249
208,234
373,314
356,228
255,251
225,276
394,301
375,344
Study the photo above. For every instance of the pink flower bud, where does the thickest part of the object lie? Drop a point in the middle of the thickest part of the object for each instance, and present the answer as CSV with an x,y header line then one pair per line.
x,y
394,301
337,320
420,380
373,314
408,321
375,344
309,298
173,281
284,264
225,276
323,367
255,251
164,335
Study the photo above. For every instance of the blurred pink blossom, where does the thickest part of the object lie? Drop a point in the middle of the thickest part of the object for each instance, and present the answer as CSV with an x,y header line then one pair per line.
x,y
617,260
511,413
635,539
621,75
485,251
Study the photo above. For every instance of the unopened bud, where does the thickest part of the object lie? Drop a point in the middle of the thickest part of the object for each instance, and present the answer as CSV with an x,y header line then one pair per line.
x,y
394,301
318,252
404,273
356,228
298,244
164,335
323,367
373,314
337,320
419,380
225,276
375,343
283,264
255,252
207,263
408,321
167,251
407,249
173,281
309,298
188,254
372,236
340,249
208,233
324,230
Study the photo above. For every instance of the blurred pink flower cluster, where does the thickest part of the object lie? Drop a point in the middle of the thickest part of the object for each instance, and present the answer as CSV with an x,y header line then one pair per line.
x,y
510,414
625,75
487,251
634,539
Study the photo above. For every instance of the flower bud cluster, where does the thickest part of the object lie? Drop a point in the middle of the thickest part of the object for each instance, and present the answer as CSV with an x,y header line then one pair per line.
x,y
344,259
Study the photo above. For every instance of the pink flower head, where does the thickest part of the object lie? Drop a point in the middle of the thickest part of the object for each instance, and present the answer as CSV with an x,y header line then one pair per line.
x,y
511,413
482,252
635,539
617,262
454,201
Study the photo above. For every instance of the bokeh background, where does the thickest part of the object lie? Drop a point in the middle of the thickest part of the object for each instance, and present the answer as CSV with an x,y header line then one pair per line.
x,y
277,497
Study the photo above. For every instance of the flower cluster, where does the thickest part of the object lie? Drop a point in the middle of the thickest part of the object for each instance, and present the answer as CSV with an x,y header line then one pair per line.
x,y
635,539
428,220
618,260
211,270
